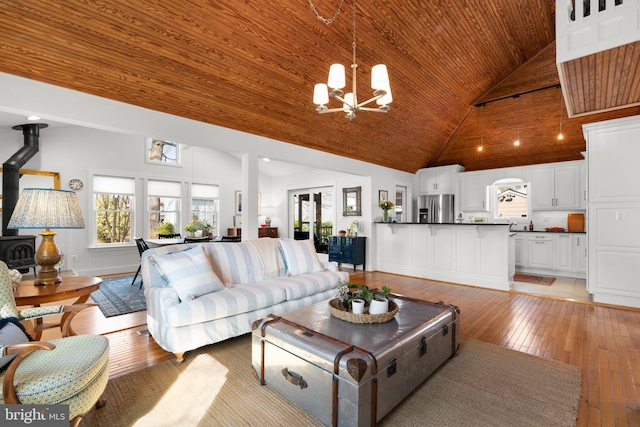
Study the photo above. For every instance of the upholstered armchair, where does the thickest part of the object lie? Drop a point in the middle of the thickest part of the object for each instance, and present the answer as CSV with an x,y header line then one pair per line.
x,y
70,371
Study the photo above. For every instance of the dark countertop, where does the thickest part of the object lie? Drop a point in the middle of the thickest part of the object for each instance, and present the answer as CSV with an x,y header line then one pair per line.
x,y
438,223
553,232
482,224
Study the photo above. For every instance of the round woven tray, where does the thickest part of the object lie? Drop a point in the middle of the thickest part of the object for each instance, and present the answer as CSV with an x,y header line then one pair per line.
x,y
338,311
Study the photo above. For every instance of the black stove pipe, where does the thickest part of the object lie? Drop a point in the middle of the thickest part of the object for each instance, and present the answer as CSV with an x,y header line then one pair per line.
x,y
11,172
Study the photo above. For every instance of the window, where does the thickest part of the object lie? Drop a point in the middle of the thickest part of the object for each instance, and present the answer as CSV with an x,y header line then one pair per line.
x,y
204,205
161,151
511,199
401,197
163,205
113,209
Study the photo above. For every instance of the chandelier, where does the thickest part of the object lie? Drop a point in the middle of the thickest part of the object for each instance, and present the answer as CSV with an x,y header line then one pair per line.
x,y
336,81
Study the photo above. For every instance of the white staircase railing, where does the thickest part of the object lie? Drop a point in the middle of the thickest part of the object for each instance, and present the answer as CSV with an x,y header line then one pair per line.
x,y
578,35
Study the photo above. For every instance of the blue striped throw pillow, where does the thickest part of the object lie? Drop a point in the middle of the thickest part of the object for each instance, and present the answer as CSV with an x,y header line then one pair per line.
x,y
300,256
189,272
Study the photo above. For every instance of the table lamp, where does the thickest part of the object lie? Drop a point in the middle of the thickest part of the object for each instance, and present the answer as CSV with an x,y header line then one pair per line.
x,y
47,208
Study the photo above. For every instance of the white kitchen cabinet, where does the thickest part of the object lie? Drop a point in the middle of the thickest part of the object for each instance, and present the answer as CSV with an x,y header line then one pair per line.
x,y
580,253
439,180
556,187
613,213
473,192
540,251
563,252
583,186
521,243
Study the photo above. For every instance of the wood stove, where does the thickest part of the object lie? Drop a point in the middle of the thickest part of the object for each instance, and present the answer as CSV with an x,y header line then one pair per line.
x,y
18,251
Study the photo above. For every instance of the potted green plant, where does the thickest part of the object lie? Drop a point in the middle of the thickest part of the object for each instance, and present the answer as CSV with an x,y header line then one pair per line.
x,y
167,228
373,298
380,303
191,229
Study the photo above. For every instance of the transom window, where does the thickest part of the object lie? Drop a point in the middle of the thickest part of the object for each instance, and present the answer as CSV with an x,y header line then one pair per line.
x,y
161,151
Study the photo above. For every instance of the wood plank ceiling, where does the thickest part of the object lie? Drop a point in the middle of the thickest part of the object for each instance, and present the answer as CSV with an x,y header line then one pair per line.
x,y
603,81
251,66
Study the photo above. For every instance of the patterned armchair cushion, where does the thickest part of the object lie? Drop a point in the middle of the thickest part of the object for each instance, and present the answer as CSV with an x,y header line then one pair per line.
x,y
58,375
300,256
189,272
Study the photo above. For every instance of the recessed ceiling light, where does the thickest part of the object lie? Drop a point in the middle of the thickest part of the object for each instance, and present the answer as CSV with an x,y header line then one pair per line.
x,y
266,159
33,118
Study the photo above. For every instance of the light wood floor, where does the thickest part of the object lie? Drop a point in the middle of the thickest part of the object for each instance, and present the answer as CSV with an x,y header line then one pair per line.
x,y
603,341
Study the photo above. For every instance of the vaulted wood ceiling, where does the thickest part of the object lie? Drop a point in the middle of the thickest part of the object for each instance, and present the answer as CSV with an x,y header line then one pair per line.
x,y
251,66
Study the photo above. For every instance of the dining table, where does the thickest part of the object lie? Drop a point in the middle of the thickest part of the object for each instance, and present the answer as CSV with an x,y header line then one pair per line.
x,y
165,242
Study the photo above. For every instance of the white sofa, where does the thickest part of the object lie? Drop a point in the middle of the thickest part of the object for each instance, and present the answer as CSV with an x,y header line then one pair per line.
x,y
199,294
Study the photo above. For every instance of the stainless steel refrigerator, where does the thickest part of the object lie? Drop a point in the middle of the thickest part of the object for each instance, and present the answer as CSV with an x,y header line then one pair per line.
x,y
438,208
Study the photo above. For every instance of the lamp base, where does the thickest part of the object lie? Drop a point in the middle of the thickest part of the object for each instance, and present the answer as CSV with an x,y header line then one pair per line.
x,y
47,257
47,276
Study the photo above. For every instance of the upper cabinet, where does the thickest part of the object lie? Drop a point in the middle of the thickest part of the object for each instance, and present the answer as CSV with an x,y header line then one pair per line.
x,y
439,180
556,187
473,192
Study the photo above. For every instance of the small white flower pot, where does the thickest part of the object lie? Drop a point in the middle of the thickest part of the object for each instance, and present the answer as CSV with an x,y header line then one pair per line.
x,y
379,307
357,306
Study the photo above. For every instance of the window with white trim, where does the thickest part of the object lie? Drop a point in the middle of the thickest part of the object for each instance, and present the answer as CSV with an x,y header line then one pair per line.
x,y
162,151
204,205
163,205
113,199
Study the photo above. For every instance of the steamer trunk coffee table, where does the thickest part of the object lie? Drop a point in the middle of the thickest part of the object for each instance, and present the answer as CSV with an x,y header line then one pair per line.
x,y
353,374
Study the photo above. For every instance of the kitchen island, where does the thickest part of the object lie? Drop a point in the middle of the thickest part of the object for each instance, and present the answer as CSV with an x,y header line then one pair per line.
x,y
471,254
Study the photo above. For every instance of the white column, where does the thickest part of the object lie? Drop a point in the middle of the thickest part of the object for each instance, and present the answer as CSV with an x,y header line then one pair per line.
x,y
250,177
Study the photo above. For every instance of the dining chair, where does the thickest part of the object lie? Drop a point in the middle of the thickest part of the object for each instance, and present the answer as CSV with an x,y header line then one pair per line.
x,y
169,236
196,239
72,370
231,238
142,246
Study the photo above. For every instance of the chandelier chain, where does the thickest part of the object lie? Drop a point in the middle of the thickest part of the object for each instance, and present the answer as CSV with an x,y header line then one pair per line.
x,y
327,21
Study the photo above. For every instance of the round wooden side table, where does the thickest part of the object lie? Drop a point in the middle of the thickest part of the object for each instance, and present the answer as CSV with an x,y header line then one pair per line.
x,y
79,287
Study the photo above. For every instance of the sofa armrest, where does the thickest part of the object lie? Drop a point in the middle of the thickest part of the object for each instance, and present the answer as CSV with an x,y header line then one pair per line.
x,y
330,266
159,300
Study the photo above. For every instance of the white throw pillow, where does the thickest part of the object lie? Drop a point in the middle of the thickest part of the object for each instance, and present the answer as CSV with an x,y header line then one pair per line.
x,y
300,256
189,272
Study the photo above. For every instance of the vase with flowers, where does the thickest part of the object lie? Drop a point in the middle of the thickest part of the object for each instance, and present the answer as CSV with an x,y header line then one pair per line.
x,y
386,206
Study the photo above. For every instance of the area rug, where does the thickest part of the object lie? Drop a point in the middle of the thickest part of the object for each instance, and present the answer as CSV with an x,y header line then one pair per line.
x,y
538,280
117,296
483,385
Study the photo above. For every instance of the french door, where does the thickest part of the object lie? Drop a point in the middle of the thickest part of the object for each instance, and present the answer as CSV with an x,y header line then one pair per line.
x,y
312,215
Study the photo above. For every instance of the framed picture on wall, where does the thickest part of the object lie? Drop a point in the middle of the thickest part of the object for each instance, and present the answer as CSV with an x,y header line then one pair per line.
x,y
383,195
238,202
